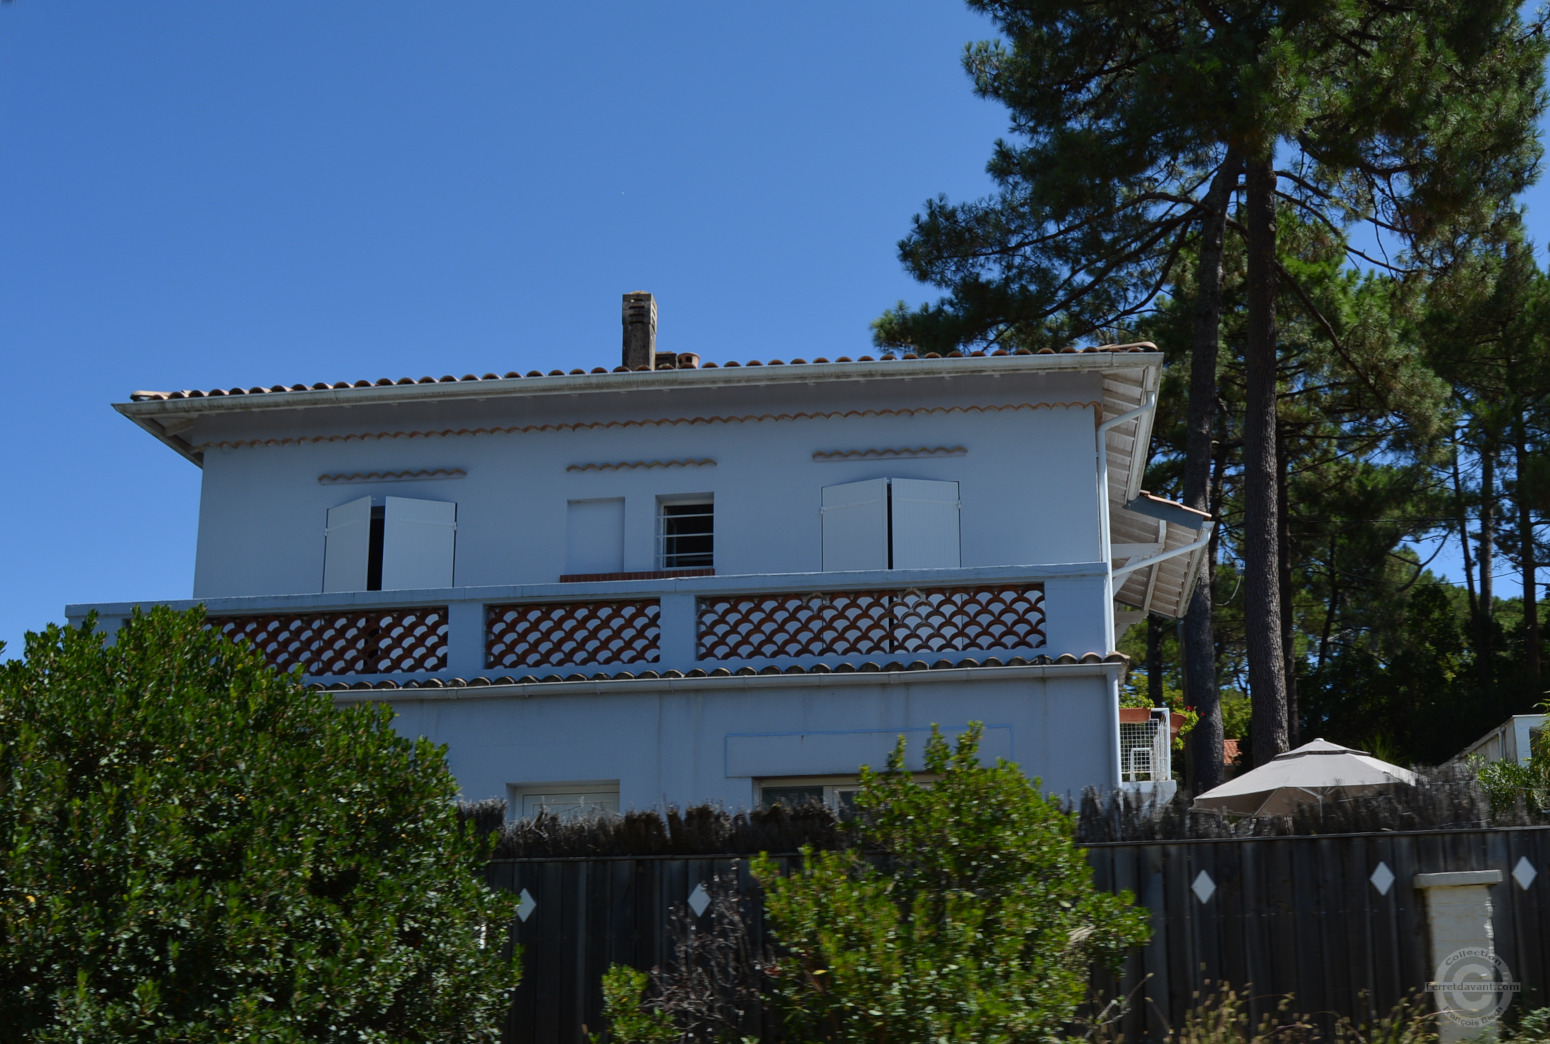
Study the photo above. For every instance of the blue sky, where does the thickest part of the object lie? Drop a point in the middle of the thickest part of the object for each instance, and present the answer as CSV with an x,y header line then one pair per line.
x,y
207,195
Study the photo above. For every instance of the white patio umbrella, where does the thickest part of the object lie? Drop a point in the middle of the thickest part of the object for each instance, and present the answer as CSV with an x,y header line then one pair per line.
x,y
1317,771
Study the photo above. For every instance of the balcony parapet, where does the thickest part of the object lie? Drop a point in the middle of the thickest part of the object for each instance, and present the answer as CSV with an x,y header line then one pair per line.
x,y
788,620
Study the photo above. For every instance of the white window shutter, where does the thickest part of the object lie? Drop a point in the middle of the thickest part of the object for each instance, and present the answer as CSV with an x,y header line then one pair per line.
x,y
855,525
347,546
925,524
417,543
594,536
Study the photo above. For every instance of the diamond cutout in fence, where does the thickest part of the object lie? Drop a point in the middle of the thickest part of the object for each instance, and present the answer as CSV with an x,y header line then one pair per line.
x,y
1382,879
1524,873
525,906
699,899
1204,888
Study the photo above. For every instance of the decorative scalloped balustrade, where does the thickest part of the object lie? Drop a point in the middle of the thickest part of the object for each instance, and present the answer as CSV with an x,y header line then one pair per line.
x,y
871,623
555,634
381,641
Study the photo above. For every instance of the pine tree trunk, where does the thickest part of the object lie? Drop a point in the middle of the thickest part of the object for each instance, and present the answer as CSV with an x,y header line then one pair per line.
x,y
1261,567
1199,645
1332,604
1284,588
1154,666
1461,509
1526,552
1483,622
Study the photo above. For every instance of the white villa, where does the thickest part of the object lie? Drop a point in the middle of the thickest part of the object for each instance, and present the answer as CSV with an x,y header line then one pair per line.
x,y
675,582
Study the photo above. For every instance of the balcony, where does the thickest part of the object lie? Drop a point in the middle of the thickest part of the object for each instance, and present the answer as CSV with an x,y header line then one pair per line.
x,y
685,623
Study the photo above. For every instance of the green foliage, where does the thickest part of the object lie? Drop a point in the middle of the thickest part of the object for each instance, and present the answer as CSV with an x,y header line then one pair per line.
x,y
1416,117
195,849
706,992
1507,783
1533,1027
630,1019
1221,1016
1235,715
965,914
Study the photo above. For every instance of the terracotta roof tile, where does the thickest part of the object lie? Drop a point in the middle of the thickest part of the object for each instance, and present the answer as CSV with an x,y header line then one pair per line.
x,y
155,396
863,667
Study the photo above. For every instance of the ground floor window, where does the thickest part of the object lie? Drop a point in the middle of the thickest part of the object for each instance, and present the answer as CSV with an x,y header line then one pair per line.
x,y
838,792
563,800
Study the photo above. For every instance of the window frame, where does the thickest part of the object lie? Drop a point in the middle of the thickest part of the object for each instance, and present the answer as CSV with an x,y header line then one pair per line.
x,y
838,792
677,559
518,793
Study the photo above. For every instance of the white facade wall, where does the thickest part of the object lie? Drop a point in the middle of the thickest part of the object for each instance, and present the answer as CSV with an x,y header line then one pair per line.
x,y
1026,480
714,739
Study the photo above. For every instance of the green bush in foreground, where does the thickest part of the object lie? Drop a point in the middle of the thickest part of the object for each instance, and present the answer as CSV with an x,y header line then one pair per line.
x,y
966,913
193,849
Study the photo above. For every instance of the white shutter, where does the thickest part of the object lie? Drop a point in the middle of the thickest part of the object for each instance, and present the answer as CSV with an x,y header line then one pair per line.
x,y
594,536
855,525
347,546
925,524
417,542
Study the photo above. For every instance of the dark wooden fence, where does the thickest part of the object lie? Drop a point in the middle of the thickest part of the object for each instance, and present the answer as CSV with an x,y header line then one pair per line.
x,y
586,913
1303,916
1282,915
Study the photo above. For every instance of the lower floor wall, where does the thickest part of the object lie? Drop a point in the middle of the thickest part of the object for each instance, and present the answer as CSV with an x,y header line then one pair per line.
x,y
650,743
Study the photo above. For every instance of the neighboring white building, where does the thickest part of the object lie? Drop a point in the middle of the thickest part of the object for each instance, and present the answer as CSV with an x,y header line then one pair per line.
x,y
1512,740
697,583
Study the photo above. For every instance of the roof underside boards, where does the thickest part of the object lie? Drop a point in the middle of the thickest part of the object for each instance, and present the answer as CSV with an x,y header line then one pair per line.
x,y
1127,444
1152,526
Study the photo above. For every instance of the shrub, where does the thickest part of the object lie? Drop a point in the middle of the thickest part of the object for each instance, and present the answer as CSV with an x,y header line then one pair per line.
x,y
193,848
965,914
707,993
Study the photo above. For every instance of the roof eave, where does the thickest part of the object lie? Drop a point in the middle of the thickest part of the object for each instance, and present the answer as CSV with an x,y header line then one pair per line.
x,y
708,377
166,419
169,434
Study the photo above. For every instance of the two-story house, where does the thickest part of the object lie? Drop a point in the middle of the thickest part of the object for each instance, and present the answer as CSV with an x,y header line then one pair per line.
x,y
676,582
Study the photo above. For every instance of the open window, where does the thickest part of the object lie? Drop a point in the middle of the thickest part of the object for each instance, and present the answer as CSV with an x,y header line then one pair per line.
x,y
891,524
401,544
686,533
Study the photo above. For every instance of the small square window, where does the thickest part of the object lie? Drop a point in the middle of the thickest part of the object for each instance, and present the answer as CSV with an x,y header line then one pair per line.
x,y
687,534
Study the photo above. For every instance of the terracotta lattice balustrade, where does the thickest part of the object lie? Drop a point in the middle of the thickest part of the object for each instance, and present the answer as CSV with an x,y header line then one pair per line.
x,y
555,634
382,641
871,623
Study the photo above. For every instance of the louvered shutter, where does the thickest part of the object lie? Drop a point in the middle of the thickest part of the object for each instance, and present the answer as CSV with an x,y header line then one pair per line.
x,y
347,546
925,524
855,525
417,543
594,536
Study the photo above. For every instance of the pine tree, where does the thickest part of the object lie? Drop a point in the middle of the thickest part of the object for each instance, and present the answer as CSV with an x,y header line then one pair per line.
x,y
1415,117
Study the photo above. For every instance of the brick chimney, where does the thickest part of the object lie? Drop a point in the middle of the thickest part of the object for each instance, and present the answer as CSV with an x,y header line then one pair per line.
x,y
640,331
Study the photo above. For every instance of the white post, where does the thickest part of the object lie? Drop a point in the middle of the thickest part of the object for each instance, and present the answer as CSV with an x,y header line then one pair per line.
x,y
465,639
1467,973
679,631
